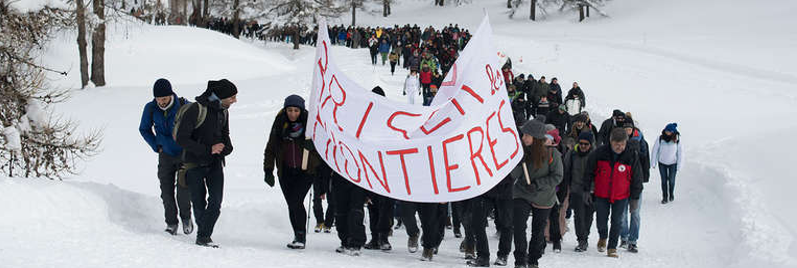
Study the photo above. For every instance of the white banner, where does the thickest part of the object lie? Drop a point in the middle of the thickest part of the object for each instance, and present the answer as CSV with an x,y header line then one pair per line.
x,y
456,149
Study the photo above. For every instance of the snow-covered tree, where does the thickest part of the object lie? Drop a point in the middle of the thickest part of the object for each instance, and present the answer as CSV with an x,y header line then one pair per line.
x,y
35,143
295,14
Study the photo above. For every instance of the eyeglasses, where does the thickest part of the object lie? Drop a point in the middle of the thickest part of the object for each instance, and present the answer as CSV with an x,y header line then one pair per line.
x,y
584,143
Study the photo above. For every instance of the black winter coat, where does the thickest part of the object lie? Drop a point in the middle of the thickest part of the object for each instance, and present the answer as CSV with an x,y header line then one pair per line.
x,y
197,143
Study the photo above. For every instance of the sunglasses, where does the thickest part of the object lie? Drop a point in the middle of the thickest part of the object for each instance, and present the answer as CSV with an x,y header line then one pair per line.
x,y
584,143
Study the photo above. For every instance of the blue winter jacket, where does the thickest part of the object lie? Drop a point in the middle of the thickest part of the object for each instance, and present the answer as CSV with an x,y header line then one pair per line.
x,y
384,47
163,122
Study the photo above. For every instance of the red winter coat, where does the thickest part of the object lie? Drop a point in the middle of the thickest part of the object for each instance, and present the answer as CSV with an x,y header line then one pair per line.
x,y
614,177
426,77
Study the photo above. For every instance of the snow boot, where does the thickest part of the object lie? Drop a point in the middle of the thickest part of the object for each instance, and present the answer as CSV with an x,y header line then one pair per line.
x,y
672,198
501,261
188,226
470,252
171,229
612,253
428,254
319,227
327,229
557,246
624,244
206,242
479,262
340,249
457,233
602,245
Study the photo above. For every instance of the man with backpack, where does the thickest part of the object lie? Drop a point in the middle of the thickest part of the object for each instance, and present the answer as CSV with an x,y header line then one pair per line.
x,y
203,130
159,114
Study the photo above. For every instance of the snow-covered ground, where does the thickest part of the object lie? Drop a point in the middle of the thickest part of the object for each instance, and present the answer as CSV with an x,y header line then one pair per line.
x,y
724,70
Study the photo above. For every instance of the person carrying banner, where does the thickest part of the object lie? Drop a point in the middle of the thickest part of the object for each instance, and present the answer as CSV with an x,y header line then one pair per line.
x,y
534,191
287,147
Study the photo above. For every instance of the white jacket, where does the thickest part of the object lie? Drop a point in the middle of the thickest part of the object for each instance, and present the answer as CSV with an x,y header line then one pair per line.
x,y
667,153
412,85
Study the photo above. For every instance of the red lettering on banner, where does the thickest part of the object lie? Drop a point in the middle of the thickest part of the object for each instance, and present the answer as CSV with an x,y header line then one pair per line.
x,y
365,116
477,154
393,116
337,104
453,77
473,93
323,70
401,154
496,81
508,129
326,153
492,142
431,169
382,181
346,163
427,132
448,167
459,108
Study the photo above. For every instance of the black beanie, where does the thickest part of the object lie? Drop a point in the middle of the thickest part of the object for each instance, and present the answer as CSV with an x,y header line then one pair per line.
x,y
294,101
617,113
222,88
378,90
162,88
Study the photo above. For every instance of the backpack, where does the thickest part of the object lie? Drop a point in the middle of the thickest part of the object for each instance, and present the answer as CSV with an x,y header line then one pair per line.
x,y
203,112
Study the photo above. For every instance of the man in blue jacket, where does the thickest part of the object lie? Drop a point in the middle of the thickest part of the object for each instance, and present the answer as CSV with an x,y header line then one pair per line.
x,y
159,114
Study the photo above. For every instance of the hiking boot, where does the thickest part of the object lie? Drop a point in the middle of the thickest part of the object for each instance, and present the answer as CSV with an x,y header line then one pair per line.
x,y
353,251
479,262
428,254
206,242
612,253
188,226
624,244
171,229
319,227
664,201
470,252
384,245
327,229
340,249
582,246
295,244
501,261
633,248
602,245
412,244
672,198
557,246
373,244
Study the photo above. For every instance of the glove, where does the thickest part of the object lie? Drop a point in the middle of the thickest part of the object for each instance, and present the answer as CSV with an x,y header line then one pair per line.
x,y
588,198
269,179
634,205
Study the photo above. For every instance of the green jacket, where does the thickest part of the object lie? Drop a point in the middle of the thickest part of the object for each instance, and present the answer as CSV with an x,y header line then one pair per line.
x,y
542,190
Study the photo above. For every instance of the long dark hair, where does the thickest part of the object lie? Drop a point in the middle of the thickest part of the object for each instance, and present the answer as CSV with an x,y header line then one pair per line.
x,y
537,153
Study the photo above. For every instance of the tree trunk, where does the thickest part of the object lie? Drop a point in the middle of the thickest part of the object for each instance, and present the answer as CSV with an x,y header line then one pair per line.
x,y
98,46
533,15
580,12
205,14
295,37
236,24
587,11
353,13
82,44
508,3
385,7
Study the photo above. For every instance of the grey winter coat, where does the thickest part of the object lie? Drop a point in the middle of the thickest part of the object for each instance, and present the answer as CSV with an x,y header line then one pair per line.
x,y
542,190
